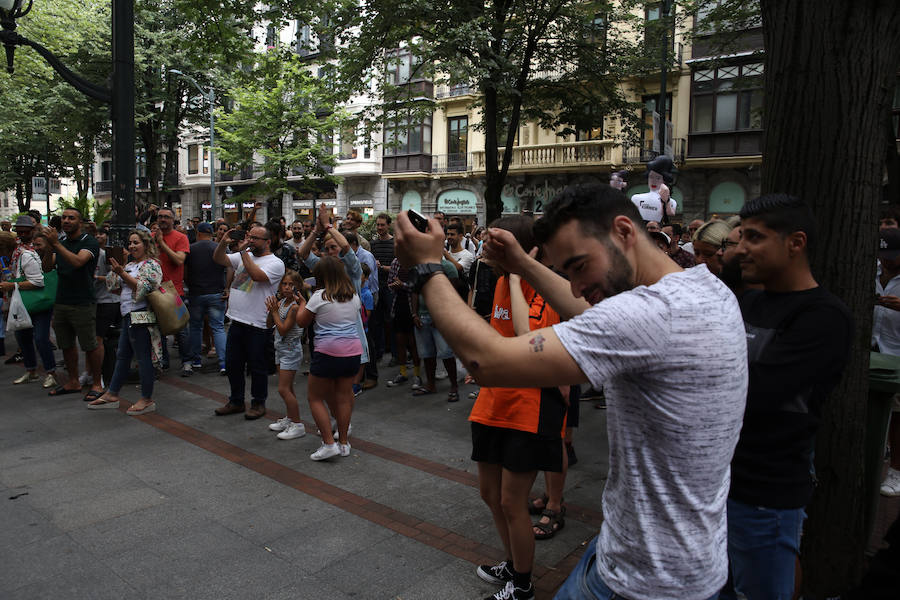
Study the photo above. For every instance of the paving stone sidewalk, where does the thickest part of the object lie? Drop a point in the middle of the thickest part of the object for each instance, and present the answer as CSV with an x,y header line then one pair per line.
x,y
182,504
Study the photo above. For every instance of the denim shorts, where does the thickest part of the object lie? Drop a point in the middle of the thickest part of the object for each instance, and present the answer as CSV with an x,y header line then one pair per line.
x,y
289,355
430,342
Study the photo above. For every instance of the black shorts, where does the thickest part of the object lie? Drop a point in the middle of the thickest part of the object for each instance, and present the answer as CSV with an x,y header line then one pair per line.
x,y
333,367
573,414
108,315
403,322
516,451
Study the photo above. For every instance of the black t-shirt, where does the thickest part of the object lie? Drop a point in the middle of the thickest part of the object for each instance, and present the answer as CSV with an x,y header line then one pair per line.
x,y
202,274
383,251
798,344
76,284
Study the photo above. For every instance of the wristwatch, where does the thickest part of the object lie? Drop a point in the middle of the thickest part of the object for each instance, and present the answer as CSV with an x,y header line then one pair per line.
x,y
419,274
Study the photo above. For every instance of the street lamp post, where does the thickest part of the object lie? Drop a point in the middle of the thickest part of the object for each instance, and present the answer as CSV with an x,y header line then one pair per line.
x,y
120,97
211,98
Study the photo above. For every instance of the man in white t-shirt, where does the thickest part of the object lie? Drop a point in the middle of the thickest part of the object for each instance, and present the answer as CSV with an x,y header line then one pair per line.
x,y
664,534
257,274
461,258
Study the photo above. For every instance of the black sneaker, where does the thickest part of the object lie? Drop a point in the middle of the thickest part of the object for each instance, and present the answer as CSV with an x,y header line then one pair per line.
x,y
497,574
511,592
15,358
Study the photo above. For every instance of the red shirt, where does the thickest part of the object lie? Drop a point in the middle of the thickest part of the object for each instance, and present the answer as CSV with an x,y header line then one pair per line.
x,y
178,242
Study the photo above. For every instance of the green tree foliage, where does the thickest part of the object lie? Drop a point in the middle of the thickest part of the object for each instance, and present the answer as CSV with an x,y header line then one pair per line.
x,y
202,39
90,210
560,63
47,128
281,122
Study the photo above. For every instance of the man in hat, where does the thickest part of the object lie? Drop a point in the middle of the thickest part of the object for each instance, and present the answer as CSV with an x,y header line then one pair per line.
x,y
886,337
205,280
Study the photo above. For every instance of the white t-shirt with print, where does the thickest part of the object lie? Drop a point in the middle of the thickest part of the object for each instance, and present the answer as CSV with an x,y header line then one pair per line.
x,y
247,298
672,361
464,258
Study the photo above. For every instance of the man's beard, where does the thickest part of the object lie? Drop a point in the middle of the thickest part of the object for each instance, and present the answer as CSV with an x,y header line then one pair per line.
x,y
731,273
619,277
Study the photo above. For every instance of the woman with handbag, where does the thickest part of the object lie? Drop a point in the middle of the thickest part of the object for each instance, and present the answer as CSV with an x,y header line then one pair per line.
x,y
140,336
30,278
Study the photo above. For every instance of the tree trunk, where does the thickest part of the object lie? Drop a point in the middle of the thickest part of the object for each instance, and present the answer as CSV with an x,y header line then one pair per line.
x,y
829,68
493,183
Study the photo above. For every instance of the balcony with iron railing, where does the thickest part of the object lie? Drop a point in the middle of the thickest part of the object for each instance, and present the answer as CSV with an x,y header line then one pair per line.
x,y
103,187
451,163
444,91
644,152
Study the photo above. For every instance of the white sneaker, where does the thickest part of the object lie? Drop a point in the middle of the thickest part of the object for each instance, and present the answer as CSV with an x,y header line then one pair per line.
x,y
891,484
325,451
85,379
440,373
345,449
281,424
294,430
334,431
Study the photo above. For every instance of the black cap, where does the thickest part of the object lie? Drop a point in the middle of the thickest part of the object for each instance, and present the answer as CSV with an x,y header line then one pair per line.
x,y
889,244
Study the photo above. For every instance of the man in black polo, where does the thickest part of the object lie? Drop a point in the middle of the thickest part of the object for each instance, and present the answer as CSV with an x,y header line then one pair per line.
x,y
75,311
380,320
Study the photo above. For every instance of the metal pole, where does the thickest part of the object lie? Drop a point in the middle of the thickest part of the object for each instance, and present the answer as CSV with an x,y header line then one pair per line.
x,y
664,71
212,163
122,122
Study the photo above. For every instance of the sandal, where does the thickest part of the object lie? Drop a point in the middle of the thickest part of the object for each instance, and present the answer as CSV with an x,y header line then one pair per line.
x,y
102,403
533,508
453,397
148,408
62,390
555,523
92,395
421,391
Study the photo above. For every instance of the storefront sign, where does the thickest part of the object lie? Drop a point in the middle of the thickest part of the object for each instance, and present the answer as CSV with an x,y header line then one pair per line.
x,y
230,206
248,204
411,201
535,195
458,202
205,205
302,204
361,200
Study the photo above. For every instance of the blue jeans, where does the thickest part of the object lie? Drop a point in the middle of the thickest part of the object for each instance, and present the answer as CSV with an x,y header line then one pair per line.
x,y
38,335
763,545
133,341
584,582
246,346
212,305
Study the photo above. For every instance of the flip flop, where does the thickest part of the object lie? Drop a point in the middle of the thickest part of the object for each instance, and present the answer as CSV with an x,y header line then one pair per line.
x,y
62,390
423,392
103,405
143,411
92,395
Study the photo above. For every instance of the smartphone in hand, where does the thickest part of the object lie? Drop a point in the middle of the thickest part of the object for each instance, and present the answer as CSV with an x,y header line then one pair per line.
x,y
237,234
418,221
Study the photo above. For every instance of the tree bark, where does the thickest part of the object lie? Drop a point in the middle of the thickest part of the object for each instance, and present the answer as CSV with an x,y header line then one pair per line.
x,y
829,68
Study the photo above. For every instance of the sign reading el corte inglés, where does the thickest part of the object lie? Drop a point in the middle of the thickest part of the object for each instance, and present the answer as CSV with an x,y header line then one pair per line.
x,y
458,202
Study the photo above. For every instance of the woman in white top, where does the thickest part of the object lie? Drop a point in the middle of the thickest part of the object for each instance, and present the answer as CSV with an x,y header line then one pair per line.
x,y
336,358
139,277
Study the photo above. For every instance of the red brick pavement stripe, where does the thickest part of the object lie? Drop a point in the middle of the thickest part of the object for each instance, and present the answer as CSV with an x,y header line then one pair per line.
x,y
573,511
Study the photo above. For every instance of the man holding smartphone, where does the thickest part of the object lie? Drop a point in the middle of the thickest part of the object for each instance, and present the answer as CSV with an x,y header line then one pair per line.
x,y
257,273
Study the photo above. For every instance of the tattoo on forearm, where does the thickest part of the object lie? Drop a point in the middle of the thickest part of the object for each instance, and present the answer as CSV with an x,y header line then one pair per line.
x,y
537,343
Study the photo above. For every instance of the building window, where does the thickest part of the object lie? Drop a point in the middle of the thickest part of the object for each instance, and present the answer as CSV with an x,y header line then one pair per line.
x,y
271,36
402,67
458,135
726,101
406,138
303,44
106,170
206,161
193,167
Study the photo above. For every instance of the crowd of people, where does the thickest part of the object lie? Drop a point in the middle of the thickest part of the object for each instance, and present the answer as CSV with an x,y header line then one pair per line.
x,y
711,445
